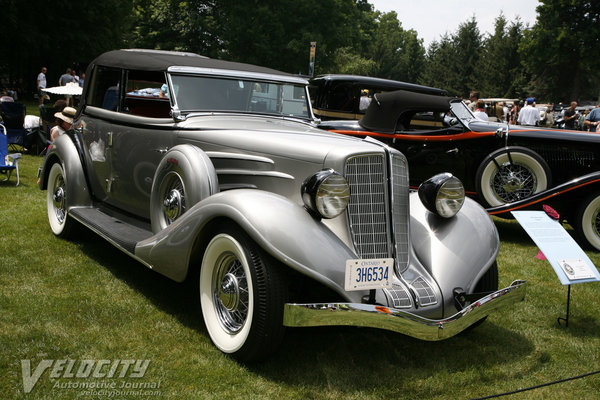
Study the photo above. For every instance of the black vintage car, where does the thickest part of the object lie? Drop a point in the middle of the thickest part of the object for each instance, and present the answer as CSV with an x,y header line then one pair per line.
x,y
336,96
504,167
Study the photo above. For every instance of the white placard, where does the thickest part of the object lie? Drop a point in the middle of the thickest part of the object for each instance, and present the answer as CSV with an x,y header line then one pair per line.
x,y
558,246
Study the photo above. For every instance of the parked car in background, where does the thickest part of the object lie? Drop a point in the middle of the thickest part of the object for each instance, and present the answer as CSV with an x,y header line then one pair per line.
x,y
336,96
504,167
214,171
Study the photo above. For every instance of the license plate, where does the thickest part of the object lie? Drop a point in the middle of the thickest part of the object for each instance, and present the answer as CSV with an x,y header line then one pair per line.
x,y
369,274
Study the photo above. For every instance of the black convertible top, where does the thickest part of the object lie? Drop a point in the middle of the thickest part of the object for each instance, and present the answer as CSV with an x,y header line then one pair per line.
x,y
388,111
159,60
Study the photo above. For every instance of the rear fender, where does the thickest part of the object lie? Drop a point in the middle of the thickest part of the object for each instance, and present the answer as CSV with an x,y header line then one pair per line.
x,y
63,151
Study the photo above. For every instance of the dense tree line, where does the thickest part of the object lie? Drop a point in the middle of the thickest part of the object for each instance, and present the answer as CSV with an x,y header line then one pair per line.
x,y
555,60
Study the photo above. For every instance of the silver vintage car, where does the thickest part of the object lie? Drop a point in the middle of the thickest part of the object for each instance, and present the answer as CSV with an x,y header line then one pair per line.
x,y
215,172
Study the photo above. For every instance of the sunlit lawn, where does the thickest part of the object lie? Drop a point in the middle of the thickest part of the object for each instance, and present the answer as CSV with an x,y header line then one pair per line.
x,y
86,300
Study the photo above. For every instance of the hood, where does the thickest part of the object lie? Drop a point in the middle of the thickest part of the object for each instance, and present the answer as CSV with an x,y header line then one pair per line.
x,y
281,137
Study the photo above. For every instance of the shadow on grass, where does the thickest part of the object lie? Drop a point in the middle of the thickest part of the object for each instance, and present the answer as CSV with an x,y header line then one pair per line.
x,y
328,357
174,298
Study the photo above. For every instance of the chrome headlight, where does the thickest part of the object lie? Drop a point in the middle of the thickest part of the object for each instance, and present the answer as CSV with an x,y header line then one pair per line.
x,y
442,194
326,193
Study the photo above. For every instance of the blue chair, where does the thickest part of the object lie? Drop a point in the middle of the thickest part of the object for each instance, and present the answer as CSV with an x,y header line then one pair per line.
x,y
8,162
13,116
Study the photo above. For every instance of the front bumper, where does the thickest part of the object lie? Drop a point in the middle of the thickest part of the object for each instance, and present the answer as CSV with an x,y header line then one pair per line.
x,y
393,319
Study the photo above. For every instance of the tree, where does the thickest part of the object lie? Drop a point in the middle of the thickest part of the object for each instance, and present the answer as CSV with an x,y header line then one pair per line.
x,y
439,71
560,50
500,63
399,54
58,35
468,49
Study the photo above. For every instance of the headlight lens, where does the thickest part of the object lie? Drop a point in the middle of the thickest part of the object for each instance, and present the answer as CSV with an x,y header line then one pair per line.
x,y
443,195
326,193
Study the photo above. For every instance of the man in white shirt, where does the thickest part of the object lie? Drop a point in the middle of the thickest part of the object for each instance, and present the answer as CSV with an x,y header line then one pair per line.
x,y
41,84
529,115
480,111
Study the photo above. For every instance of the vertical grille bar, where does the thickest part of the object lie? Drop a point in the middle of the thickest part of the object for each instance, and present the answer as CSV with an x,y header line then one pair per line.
x,y
400,209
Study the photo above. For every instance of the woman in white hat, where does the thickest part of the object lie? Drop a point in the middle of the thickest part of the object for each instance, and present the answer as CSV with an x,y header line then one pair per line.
x,y
64,122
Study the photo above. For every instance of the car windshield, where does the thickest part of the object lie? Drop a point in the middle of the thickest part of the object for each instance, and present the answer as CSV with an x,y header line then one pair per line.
x,y
462,112
194,93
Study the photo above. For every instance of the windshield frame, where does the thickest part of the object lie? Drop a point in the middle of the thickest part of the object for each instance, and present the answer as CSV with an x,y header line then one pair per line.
x,y
463,113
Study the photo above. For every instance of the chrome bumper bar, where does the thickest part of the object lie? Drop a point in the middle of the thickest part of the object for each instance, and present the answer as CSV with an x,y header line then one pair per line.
x,y
393,319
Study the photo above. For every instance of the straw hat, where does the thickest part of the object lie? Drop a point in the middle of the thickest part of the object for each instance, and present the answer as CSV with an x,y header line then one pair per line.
x,y
67,114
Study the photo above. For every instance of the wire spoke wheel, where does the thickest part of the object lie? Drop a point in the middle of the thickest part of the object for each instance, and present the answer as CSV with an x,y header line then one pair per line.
x,y
511,174
242,294
513,182
231,293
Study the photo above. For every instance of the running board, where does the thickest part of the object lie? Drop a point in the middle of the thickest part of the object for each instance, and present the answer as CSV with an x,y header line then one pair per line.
x,y
122,234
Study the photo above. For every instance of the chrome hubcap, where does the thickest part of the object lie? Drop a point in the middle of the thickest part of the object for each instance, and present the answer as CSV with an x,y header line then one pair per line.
x,y
172,205
513,182
58,198
174,197
230,293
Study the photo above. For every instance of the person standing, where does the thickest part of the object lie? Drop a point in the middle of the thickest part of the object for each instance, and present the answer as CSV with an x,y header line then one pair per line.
x,y
65,78
480,111
41,84
529,115
592,120
473,97
570,116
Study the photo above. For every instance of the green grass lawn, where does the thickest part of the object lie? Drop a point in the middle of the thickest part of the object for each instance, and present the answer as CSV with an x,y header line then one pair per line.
x,y
84,299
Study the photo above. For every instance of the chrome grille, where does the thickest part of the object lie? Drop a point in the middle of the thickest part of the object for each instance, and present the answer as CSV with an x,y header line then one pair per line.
x,y
367,210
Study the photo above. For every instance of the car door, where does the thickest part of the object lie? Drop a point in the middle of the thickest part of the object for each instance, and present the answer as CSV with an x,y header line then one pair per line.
x,y
94,128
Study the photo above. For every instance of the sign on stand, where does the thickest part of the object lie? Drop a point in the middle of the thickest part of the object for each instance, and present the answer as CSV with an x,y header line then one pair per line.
x,y
569,261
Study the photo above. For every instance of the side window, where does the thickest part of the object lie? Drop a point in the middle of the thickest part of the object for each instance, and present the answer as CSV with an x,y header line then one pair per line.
x,y
422,121
146,94
340,98
105,88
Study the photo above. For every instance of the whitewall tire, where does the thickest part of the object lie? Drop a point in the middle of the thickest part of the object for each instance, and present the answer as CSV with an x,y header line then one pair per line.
x,y
587,222
56,201
241,296
511,174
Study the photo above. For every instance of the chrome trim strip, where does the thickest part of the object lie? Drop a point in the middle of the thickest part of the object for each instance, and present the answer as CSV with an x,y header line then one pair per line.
x,y
239,156
374,316
272,174
229,73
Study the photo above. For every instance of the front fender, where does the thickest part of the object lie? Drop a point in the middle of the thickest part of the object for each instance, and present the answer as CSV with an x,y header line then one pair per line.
x,y
63,151
457,251
282,228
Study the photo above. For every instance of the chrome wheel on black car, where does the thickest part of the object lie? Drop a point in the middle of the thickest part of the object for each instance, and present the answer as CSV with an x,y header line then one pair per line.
x,y
511,174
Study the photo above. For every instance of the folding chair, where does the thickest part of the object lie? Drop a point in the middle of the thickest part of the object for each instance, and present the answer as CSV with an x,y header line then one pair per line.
x,y
8,162
13,116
